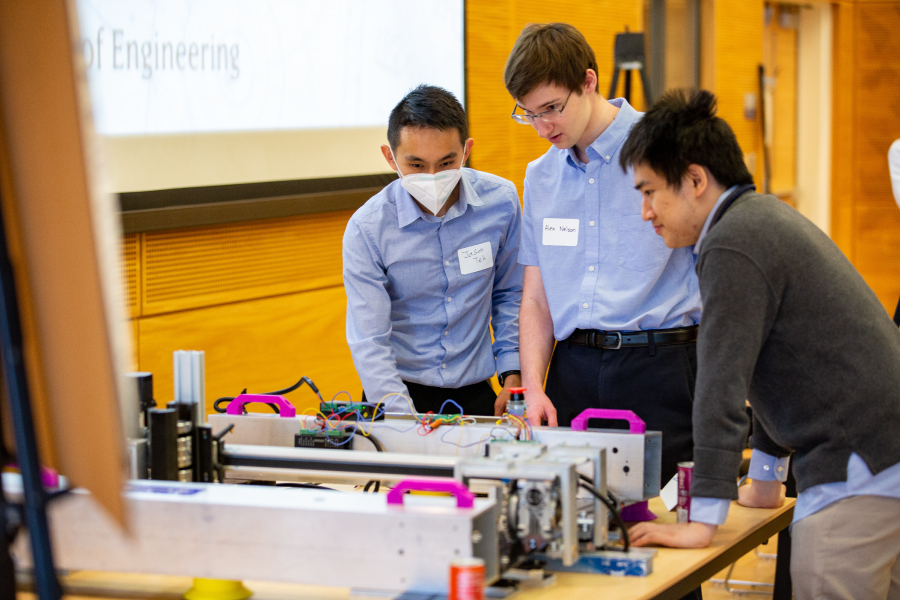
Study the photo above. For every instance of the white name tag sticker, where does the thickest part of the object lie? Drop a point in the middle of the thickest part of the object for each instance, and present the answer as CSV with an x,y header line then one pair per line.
x,y
475,258
560,232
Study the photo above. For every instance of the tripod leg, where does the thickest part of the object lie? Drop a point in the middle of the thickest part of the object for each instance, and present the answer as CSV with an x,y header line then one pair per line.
x,y
647,92
614,84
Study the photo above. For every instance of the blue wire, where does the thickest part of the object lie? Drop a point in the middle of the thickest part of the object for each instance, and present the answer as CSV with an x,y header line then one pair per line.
x,y
400,430
349,397
441,410
351,436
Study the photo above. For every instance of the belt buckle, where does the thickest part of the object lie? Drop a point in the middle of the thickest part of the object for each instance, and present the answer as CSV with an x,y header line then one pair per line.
x,y
618,344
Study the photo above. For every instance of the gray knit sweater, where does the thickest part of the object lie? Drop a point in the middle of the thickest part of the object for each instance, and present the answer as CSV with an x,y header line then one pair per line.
x,y
789,324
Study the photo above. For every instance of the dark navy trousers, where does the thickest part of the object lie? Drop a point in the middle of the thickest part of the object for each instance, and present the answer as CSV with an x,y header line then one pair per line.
x,y
658,387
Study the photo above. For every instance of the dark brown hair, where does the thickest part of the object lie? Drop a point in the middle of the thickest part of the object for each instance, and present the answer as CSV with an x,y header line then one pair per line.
x,y
427,106
682,129
554,53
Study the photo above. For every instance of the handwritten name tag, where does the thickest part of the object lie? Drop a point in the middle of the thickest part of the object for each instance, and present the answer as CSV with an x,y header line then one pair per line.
x,y
475,258
560,232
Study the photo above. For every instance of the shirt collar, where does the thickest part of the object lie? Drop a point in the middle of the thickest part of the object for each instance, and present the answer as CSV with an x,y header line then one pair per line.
x,y
606,145
710,216
408,211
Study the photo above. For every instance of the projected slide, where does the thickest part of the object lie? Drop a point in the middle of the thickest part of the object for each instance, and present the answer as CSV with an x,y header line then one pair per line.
x,y
176,67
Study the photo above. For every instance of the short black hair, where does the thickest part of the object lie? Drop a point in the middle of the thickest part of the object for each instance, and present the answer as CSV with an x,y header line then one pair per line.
x,y
428,106
682,129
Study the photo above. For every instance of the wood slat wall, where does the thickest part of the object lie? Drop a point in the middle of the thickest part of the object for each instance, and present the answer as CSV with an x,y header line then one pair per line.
x,y
731,47
865,218
780,59
206,266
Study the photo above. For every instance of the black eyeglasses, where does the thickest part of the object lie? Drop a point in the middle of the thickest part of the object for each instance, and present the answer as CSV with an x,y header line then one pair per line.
x,y
548,115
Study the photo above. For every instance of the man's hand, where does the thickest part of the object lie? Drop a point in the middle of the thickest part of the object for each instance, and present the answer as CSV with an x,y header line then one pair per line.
x,y
673,535
539,407
762,494
511,381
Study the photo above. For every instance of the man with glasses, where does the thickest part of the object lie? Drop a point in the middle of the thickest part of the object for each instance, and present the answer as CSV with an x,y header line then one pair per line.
x,y
621,306
430,269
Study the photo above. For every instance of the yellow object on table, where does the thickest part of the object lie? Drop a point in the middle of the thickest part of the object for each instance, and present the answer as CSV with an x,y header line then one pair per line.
x,y
217,589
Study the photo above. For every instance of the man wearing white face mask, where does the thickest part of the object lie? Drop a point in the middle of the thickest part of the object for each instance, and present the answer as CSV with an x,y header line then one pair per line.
x,y
430,267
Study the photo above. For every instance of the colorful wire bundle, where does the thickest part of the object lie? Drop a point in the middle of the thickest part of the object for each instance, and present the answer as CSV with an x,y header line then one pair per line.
x,y
425,423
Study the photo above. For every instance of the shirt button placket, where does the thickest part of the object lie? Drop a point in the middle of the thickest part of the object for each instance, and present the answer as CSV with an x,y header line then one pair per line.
x,y
448,275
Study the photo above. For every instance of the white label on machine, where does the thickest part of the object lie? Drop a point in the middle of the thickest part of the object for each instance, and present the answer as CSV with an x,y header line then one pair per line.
x,y
669,494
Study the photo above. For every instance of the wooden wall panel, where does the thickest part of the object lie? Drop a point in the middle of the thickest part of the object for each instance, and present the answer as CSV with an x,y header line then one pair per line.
x,y
866,121
131,251
843,162
260,345
204,266
780,59
738,52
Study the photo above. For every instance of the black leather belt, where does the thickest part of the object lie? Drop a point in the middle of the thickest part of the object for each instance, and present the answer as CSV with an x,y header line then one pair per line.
x,y
613,340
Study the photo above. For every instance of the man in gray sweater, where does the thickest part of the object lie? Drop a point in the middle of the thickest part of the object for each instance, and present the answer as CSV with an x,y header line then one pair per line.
x,y
789,324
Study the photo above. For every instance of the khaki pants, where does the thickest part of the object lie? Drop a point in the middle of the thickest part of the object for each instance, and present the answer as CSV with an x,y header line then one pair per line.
x,y
850,550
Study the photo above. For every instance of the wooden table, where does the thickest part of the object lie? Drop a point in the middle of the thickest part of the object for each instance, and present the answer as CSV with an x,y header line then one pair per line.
x,y
675,572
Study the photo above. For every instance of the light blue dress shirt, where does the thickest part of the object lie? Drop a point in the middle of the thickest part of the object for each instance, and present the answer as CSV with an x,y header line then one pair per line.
x,y
764,467
618,275
412,313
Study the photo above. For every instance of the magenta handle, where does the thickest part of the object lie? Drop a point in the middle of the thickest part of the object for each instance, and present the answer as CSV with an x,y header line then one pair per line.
x,y
464,498
635,424
49,477
285,408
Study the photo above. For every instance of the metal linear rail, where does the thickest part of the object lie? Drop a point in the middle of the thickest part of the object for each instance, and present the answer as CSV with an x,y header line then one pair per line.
x,y
268,463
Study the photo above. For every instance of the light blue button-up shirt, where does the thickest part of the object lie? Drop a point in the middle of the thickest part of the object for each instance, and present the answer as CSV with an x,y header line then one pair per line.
x,y
616,273
420,295
765,467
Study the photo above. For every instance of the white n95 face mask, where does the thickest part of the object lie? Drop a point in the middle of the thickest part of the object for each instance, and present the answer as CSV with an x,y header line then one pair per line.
x,y
432,191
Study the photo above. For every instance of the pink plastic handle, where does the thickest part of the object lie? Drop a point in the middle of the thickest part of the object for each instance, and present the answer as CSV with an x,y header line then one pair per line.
x,y
635,424
464,498
285,408
49,477
638,512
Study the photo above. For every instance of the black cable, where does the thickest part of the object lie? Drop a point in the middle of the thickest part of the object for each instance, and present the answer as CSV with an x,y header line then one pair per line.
x,y
376,488
311,486
609,494
221,409
615,500
375,442
378,445
217,405
287,390
612,508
